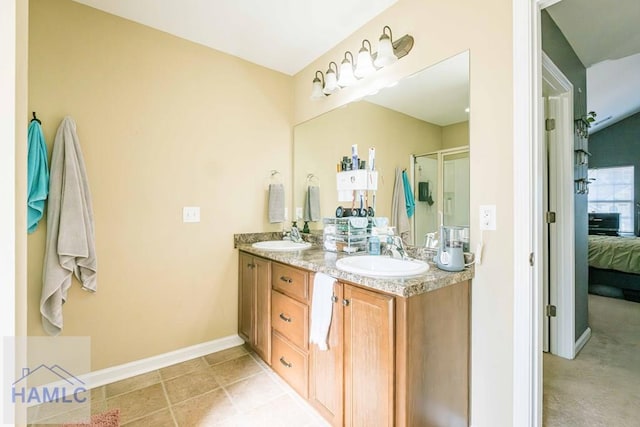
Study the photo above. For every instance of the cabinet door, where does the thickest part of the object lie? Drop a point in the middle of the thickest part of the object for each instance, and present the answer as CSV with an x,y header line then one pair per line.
x,y
325,367
369,358
246,297
262,325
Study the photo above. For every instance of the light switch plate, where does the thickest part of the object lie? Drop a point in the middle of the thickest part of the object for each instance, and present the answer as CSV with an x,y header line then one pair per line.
x,y
191,214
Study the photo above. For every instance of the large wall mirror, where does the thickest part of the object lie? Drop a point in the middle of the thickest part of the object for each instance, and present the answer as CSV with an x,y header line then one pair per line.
x,y
420,125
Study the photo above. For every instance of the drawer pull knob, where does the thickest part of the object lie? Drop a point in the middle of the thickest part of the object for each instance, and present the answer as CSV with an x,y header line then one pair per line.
x,y
251,265
286,279
345,302
334,298
285,318
285,363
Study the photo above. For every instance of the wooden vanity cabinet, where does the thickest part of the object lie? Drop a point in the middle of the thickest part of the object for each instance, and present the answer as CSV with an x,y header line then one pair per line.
x,y
290,325
254,304
352,383
392,361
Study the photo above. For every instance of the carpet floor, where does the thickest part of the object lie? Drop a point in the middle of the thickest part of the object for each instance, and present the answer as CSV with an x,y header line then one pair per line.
x,y
601,386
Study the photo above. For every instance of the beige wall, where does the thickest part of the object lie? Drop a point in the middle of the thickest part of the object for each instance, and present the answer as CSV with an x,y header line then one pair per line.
x,y
320,143
442,29
22,33
455,135
163,123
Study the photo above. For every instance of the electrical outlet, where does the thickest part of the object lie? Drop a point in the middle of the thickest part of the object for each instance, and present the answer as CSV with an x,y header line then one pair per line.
x,y
487,217
191,214
298,213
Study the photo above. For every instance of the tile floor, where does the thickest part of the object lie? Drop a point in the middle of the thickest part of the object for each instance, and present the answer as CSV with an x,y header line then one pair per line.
x,y
233,387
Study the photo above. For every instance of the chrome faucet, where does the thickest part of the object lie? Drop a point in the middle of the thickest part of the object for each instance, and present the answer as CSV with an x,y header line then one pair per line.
x,y
294,234
395,248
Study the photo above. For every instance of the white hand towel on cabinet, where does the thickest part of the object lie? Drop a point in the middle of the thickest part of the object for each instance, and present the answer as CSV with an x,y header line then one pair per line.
x,y
321,310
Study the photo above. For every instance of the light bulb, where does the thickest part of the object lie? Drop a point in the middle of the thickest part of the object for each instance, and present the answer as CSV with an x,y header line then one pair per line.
x,y
364,66
385,54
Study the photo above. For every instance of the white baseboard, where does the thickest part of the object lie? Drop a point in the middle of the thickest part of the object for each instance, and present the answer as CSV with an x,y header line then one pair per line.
x,y
116,373
582,341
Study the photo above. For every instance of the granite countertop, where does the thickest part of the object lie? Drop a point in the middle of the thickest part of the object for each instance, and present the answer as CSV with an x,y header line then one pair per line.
x,y
318,260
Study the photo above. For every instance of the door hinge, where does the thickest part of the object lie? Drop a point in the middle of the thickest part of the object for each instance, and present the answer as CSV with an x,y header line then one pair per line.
x,y
550,217
550,124
531,259
551,310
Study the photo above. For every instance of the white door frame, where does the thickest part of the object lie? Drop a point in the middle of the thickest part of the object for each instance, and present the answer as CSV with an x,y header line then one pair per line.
x,y
562,263
528,149
8,27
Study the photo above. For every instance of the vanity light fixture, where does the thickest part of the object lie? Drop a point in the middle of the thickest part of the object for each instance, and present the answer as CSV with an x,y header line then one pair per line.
x,y
316,91
385,55
364,66
331,79
346,71
369,62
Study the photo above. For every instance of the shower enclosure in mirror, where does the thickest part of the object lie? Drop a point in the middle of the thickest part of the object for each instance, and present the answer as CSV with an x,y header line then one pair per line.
x,y
441,180
424,113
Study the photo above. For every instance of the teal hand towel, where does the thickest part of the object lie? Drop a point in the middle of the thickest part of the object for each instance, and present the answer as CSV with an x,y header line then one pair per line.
x,y
408,195
37,175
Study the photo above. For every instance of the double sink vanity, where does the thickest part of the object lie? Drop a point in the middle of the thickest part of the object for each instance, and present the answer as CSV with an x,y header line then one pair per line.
x,y
398,341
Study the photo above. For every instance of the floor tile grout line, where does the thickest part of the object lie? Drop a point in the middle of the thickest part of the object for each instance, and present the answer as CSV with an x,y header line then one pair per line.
x,y
166,396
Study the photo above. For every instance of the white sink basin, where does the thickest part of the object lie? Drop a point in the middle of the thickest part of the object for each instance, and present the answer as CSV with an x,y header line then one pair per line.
x,y
281,245
381,266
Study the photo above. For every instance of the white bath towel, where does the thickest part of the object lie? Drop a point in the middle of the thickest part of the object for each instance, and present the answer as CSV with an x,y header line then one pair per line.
x,y
276,203
321,310
70,247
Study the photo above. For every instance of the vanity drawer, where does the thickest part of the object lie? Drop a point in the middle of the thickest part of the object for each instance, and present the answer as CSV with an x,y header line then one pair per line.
x,y
290,318
290,363
290,281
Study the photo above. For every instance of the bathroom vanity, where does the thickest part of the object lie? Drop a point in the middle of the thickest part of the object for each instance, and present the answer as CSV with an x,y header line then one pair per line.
x,y
398,348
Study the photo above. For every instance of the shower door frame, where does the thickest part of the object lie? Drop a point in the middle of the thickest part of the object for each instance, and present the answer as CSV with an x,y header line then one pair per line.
x,y
419,240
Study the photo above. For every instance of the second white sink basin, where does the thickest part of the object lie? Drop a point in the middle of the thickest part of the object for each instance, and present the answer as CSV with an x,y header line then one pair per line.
x,y
381,266
281,245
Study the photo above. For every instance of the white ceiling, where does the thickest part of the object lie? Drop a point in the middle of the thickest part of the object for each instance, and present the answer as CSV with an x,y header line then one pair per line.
x,y
605,35
283,35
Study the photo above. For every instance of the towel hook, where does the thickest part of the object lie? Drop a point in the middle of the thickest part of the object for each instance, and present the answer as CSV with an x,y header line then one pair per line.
x,y
35,118
275,175
312,178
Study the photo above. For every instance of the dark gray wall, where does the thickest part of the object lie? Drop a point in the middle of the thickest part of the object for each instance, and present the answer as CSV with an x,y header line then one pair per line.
x,y
556,46
618,145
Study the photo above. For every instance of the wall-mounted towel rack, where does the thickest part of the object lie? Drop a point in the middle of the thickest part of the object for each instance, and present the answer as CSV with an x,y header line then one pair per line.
x,y
275,176
312,179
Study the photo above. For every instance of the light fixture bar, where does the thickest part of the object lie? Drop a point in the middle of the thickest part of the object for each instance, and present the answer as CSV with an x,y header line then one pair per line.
x,y
349,71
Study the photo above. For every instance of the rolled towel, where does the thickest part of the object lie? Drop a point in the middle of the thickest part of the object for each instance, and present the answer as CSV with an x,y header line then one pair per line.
x,y
276,203
321,310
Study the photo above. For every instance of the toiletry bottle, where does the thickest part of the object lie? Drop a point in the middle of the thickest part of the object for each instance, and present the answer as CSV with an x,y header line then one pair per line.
x,y
374,245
